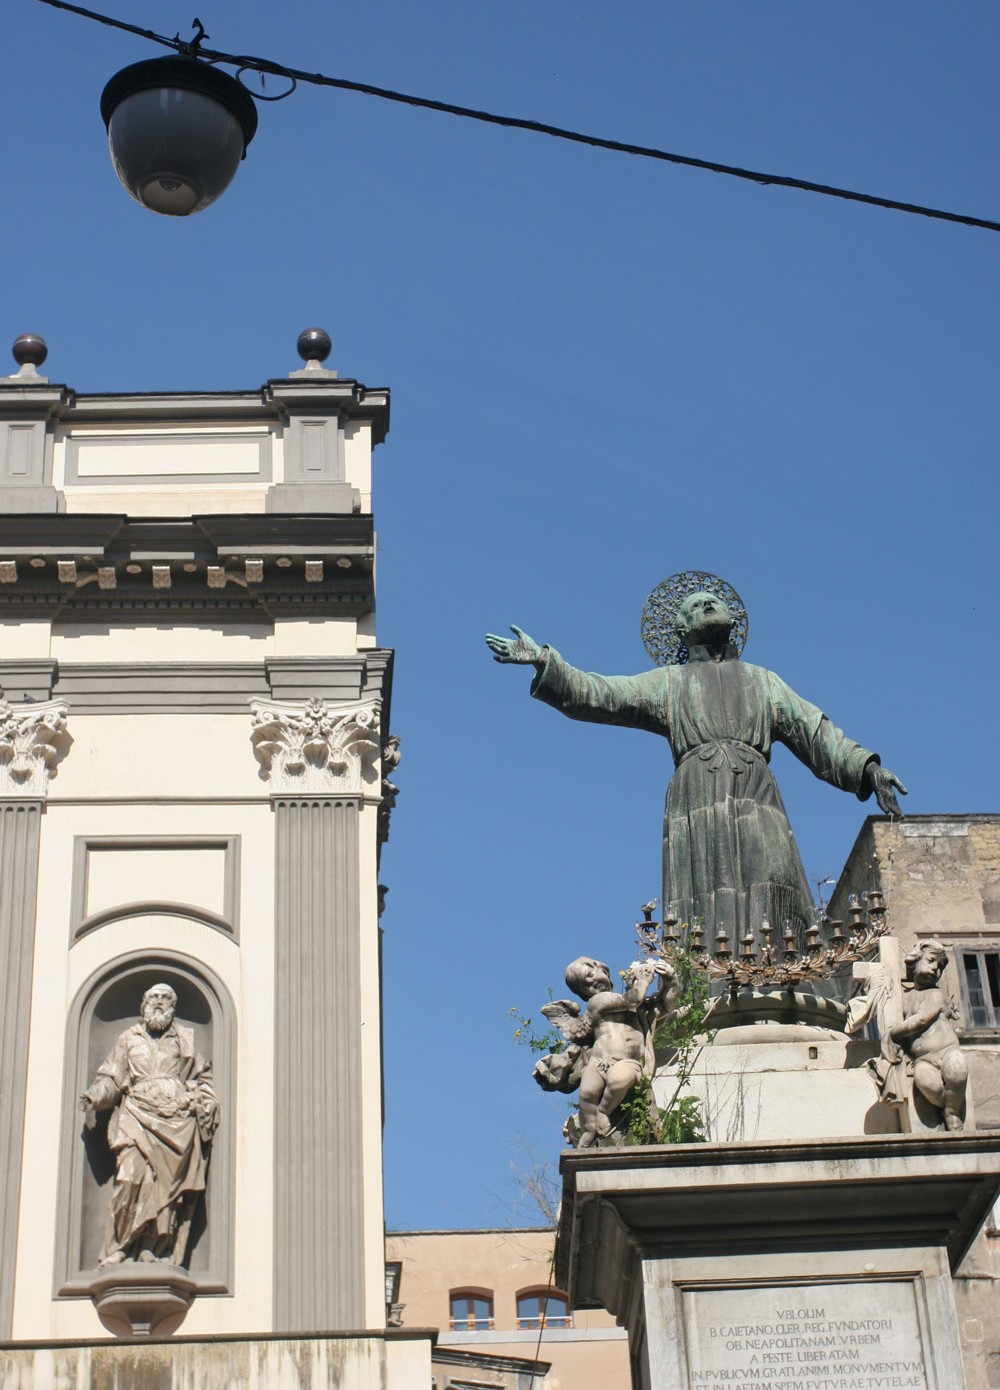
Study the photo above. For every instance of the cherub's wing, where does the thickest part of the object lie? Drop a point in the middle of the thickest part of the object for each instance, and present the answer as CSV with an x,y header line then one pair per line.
x,y
565,1015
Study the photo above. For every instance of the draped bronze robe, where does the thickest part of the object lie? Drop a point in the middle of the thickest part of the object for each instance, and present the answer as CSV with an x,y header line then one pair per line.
x,y
729,856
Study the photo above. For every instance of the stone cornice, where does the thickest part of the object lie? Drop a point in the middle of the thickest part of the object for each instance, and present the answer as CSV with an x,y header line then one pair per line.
x,y
276,399
36,400
311,748
760,1195
32,740
65,566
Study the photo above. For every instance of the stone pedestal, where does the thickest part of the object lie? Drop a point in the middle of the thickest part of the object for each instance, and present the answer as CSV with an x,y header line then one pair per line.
x,y
141,1297
783,1081
824,1265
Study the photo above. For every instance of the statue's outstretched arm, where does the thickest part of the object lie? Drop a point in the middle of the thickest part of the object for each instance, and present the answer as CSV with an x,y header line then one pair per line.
x,y
520,649
827,751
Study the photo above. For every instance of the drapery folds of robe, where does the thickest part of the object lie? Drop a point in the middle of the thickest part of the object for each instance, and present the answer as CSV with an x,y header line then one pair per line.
x,y
166,1113
729,856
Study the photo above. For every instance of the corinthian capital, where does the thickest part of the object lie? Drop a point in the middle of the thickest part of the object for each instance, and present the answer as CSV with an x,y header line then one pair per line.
x,y
311,748
32,740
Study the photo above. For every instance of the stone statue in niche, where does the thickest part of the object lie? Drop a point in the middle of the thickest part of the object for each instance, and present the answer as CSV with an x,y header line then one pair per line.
x,y
919,1045
610,1045
729,856
165,1114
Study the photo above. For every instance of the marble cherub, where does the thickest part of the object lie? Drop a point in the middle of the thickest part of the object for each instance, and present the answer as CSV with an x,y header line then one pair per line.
x,y
927,1034
610,1044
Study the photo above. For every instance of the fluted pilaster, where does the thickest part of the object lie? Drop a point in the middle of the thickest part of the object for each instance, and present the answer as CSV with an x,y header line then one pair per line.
x,y
319,1180
20,830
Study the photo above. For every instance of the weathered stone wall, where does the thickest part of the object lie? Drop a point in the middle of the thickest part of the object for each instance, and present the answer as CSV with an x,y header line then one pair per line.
x,y
392,1360
939,874
941,877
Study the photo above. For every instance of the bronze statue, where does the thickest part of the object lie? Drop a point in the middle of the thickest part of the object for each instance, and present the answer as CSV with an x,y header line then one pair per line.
x,y
729,856
165,1113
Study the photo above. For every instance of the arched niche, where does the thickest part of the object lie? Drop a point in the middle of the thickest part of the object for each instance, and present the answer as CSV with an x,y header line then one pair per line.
x,y
104,1007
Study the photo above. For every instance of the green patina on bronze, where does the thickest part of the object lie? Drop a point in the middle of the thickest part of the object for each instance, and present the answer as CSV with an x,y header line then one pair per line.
x,y
729,856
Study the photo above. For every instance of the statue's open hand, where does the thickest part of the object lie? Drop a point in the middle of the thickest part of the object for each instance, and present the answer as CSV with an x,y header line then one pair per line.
x,y
885,784
86,1103
522,649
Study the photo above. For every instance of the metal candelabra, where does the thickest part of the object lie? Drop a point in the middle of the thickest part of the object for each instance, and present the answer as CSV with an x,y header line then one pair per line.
x,y
767,959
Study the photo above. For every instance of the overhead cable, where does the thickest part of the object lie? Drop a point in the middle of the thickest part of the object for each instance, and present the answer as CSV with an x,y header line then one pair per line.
x,y
271,68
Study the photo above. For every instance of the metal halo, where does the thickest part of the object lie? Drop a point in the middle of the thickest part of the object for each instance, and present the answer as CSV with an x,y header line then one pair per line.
x,y
659,615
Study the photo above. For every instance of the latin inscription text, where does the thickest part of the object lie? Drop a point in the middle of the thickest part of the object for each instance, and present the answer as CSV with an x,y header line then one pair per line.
x,y
813,1345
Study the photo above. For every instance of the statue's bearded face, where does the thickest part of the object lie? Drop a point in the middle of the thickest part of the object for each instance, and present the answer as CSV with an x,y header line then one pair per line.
x,y
158,1006
701,617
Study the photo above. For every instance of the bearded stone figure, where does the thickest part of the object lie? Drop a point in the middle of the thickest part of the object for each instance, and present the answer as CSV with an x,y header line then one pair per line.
x,y
165,1114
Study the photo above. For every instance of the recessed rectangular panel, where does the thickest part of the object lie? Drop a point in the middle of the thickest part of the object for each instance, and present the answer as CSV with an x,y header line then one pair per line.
x,y
19,450
154,873
168,874
837,1336
96,457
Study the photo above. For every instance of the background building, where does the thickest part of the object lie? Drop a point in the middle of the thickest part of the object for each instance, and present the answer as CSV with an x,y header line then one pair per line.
x,y
941,878
491,1292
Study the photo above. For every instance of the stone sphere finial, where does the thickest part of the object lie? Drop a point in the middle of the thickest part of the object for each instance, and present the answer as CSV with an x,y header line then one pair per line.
x,y
314,345
30,349
314,348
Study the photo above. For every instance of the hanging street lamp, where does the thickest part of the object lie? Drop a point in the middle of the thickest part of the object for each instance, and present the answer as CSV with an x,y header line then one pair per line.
x,y
177,128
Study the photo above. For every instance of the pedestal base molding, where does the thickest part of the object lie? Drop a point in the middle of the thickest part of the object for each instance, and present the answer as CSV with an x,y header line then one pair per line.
x,y
144,1296
824,1265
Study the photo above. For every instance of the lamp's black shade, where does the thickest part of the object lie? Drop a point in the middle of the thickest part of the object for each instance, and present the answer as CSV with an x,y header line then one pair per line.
x,y
177,128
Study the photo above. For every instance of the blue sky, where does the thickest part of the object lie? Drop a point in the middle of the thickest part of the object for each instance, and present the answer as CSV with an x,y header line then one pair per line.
x,y
603,370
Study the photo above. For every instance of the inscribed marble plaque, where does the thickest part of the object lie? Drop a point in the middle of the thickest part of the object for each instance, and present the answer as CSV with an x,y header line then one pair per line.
x,y
844,1336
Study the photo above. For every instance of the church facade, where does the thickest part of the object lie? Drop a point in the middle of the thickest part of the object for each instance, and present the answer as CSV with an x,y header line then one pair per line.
x,y
195,759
